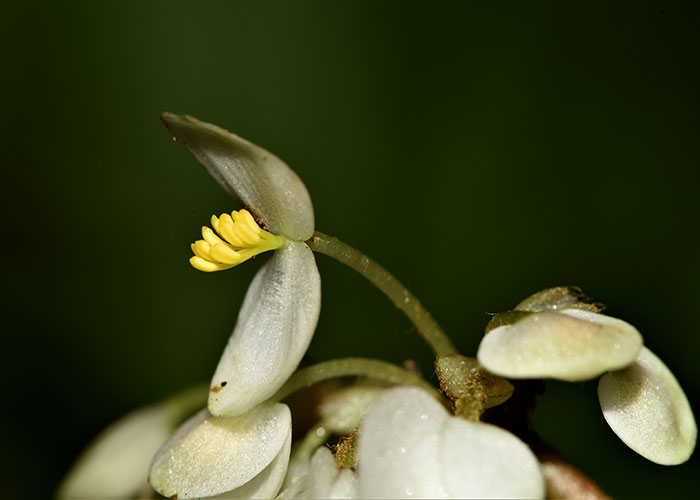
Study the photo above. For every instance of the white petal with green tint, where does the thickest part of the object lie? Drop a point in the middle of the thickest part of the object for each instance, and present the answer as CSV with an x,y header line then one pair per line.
x,y
211,455
267,187
320,477
485,461
647,408
410,447
268,482
570,345
342,410
273,331
326,480
399,446
116,464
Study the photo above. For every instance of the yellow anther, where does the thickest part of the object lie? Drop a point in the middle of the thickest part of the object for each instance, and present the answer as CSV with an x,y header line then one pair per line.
x,y
226,229
215,223
210,237
239,238
207,266
225,254
201,248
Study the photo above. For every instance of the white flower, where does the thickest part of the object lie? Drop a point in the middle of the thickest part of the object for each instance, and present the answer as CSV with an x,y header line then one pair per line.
x,y
548,337
244,456
281,307
409,446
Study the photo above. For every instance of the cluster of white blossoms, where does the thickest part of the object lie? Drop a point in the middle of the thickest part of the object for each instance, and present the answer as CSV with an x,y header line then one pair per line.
x,y
397,441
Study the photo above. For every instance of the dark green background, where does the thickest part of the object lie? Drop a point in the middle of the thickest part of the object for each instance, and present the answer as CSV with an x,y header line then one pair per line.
x,y
481,154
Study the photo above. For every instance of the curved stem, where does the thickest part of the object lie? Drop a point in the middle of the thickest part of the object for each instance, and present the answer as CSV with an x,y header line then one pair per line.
x,y
349,367
402,298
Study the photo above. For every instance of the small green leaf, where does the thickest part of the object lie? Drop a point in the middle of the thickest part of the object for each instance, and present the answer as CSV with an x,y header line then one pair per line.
x,y
506,318
558,298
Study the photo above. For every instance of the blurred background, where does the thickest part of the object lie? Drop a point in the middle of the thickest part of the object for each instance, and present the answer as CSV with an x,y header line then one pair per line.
x,y
479,153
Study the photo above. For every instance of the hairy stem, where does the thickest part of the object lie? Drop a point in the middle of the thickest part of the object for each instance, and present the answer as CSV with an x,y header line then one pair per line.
x,y
402,298
349,367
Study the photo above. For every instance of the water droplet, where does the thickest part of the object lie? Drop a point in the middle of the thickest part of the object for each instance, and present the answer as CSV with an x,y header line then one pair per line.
x,y
424,417
409,491
554,307
320,432
402,450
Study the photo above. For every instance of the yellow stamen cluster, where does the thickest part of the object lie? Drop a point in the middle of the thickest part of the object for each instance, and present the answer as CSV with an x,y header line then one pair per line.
x,y
239,239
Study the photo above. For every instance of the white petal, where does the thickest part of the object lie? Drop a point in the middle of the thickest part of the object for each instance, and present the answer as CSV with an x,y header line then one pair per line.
x,y
269,481
646,407
345,485
273,331
322,473
569,345
297,480
484,461
326,480
409,446
343,410
263,182
399,446
319,477
211,455
116,464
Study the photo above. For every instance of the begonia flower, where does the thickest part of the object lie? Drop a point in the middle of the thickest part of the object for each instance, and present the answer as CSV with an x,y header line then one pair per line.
x,y
281,308
554,335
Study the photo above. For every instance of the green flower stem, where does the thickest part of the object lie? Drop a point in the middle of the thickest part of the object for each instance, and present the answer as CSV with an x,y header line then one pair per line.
x,y
402,298
351,367
316,436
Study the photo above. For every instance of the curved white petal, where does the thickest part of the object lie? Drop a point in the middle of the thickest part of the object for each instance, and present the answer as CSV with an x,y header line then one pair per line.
x,y
268,482
410,447
646,407
321,478
273,331
399,446
569,345
210,455
326,480
484,461
116,464
343,410
268,188
296,481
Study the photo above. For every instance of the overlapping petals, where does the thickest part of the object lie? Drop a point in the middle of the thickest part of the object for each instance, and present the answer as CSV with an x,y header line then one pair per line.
x,y
410,447
320,477
211,455
553,335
